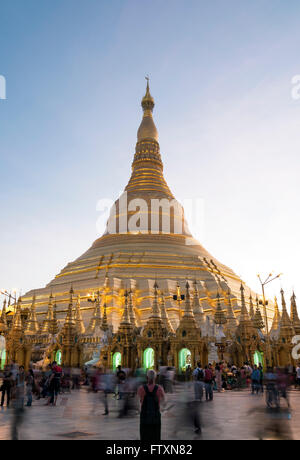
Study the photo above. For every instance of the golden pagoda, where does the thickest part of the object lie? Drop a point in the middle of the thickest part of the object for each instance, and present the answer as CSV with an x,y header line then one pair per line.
x,y
146,243
169,255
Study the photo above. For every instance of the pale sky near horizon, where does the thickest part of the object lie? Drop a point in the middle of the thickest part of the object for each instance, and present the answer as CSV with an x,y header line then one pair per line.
x,y
229,128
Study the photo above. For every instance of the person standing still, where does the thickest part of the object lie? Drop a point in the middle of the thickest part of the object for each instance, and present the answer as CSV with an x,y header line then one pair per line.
x,y
208,381
151,396
198,375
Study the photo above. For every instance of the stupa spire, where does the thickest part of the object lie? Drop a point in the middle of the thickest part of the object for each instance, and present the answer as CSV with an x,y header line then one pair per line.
x,y
70,321
155,307
294,314
17,322
197,307
251,309
80,329
148,101
258,321
286,328
147,167
132,316
244,318
104,323
125,318
276,318
219,317
188,310
45,328
3,320
54,323
96,318
32,325
147,129
164,314
231,324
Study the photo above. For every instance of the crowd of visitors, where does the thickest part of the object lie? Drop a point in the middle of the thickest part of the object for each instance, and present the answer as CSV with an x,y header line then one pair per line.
x,y
144,393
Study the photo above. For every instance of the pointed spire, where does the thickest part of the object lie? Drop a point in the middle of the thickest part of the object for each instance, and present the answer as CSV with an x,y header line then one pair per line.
x,y
45,328
276,318
54,323
125,318
164,314
132,316
96,318
244,312
147,129
294,314
70,321
219,317
230,316
258,321
147,166
155,307
17,322
104,324
148,101
3,320
197,307
32,325
188,310
251,309
80,329
286,328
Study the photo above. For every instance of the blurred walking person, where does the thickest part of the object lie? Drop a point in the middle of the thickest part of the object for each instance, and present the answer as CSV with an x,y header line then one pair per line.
x,y
107,385
261,378
255,379
151,396
121,377
18,404
6,386
199,386
29,387
271,388
218,372
283,383
297,382
54,383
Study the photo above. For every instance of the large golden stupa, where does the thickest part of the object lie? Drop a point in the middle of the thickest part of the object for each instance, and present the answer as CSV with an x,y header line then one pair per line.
x,y
134,259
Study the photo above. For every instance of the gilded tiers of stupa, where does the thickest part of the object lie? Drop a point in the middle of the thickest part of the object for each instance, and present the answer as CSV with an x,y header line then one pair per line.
x,y
123,259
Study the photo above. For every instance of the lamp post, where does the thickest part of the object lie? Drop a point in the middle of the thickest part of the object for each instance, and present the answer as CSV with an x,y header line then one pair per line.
x,y
265,302
4,292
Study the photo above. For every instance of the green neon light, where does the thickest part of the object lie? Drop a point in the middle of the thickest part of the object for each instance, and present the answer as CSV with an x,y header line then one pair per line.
x,y
258,358
184,358
58,357
117,360
149,358
2,359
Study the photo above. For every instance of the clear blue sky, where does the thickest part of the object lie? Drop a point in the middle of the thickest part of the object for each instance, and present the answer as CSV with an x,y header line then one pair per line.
x,y
229,128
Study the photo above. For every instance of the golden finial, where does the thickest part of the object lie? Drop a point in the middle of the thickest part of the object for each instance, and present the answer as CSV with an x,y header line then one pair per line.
x,y
148,101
